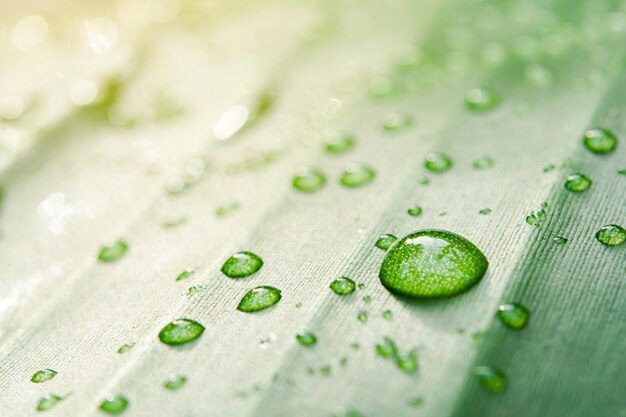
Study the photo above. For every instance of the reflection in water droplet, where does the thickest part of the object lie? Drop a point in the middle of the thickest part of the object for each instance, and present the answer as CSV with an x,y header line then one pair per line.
x,y
231,122
611,235
432,264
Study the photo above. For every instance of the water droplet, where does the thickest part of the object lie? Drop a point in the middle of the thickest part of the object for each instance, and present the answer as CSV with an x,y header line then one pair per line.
x,y
485,211
416,401
559,240
325,370
180,331
114,405
437,162
514,316
186,274
227,208
175,382
408,363
357,175
125,348
549,168
491,379
43,375
622,172
483,163
113,252
387,314
423,180
308,179
481,99
385,241
259,298
48,402
394,122
242,264
414,211
362,316
367,299
611,235
432,264
343,286
387,349
306,339
339,143
600,141
577,183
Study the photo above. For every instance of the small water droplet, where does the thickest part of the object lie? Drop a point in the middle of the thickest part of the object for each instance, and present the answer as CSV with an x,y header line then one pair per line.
x,y
414,211
241,265
559,240
175,382
343,286
259,298
362,316
394,122
367,299
387,314
423,180
437,162
600,141
325,370
306,339
485,211
577,183
514,316
491,379
432,264
308,179
112,253
611,235
125,347
387,349
43,375
339,143
186,274
180,331
416,401
481,99
483,163
48,402
357,175
385,241
114,405
408,363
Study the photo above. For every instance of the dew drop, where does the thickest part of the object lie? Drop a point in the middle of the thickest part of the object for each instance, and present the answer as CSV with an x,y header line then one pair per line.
x,y
387,349
414,211
559,240
306,339
437,162
308,179
514,316
43,375
48,402
481,99
343,286
339,143
432,264
387,314
357,175
385,241
259,298
112,253
600,141
577,183
491,379
180,331
242,264
114,405
362,316
485,211
408,363
611,235
175,382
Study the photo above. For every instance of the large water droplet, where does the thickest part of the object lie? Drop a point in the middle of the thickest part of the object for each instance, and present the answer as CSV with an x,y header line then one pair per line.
x,y
491,379
114,405
437,162
357,175
385,241
259,298
43,375
577,183
600,141
514,316
180,331
611,235
343,286
242,264
308,179
112,253
432,264
481,99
